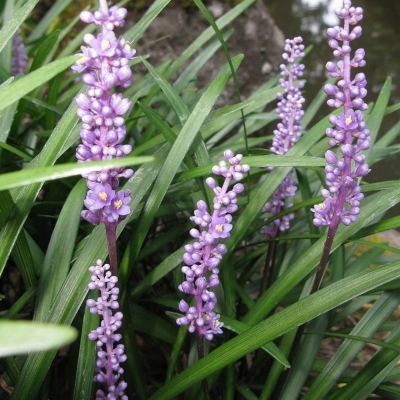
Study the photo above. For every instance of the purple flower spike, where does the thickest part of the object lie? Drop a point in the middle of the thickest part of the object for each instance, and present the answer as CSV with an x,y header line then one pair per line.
x,y
109,357
202,257
19,60
349,131
290,111
105,65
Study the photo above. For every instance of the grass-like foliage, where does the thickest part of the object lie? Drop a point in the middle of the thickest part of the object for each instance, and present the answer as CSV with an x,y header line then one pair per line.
x,y
276,297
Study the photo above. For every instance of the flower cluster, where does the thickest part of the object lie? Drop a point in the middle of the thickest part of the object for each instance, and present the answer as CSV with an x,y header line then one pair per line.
x,y
202,257
109,358
290,111
19,60
349,131
104,64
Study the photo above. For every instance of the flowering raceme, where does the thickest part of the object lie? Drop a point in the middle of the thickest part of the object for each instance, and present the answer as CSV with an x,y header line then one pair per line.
x,y
290,111
343,198
202,257
104,64
19,59
108,369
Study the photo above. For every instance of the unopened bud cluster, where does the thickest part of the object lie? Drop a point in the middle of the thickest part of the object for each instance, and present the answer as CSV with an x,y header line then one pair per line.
x,y
109,356
19,59
202,257
290,112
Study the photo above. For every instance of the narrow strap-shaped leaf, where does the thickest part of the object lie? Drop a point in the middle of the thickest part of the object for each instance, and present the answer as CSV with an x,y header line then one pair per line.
x,y
22,337
245,391
274,326
380,343
176,351
208,33
29,176
176,155
59,251
53,13
87,356
135,33
176,102
74,289
366,327
162,269
372,207
364,383
20,303
261,162
316,102
381,226
284,161
135,376
14,150
195,66
11,368
27,83
388,137
6,117
271,348
152,325
277,368
21,251
44,50
374,120
11,26
198,147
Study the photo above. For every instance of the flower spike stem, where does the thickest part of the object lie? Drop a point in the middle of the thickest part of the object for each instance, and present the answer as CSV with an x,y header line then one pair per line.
x,y
349,131
104,64
270,259
202,257
288,131
111,233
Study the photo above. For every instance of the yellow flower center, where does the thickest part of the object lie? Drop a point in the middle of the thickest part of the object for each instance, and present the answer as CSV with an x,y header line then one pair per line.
x,y
103,196
127,47
348,120
105,44
118,204
321,206
217,324
81,60
219,227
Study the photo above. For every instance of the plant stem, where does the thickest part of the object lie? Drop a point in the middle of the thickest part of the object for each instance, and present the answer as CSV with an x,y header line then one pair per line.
x,y
269,264
111,233
200,355
323,262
